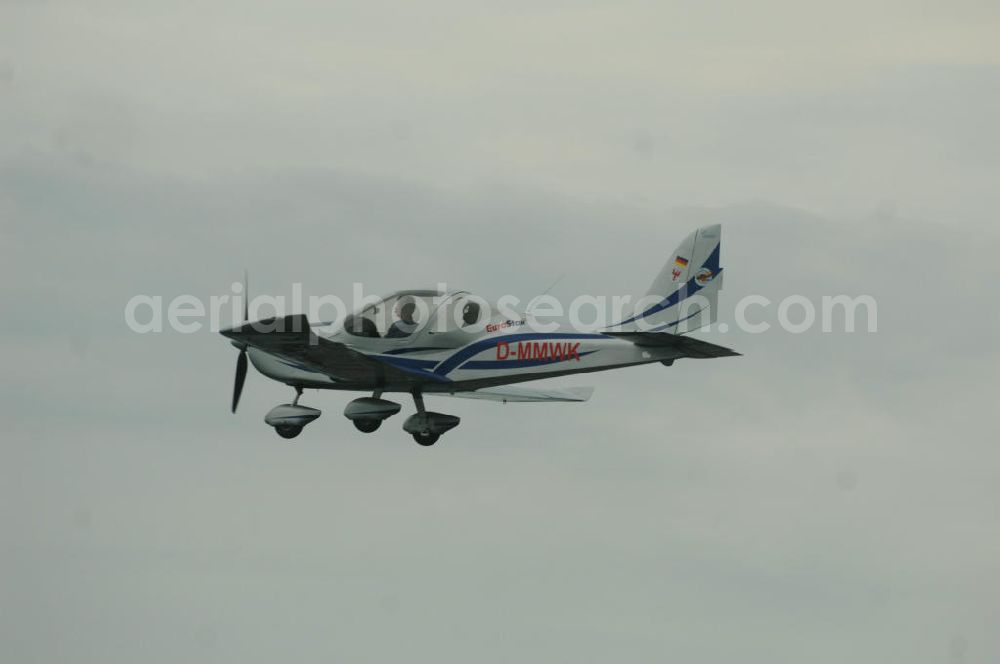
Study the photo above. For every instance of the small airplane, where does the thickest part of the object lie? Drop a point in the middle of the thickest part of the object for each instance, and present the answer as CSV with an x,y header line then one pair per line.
x,y
449,344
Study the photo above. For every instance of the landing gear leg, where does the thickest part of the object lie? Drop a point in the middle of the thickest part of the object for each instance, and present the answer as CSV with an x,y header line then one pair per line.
x,y
298,393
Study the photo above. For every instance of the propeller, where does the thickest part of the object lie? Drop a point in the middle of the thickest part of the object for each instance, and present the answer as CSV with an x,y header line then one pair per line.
x,y
241,375
241,361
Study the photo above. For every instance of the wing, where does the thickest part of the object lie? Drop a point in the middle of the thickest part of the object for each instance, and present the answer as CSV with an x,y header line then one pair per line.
x,y
292,338
512,393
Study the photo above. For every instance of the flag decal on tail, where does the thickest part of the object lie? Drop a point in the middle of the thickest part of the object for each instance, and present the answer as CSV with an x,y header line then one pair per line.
x,y
681,261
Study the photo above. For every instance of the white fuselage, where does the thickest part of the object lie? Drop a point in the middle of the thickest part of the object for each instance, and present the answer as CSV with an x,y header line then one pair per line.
x,y
509,354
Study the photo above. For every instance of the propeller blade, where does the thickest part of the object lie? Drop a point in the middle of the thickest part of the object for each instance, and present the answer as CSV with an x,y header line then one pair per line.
x,y
241,376
246,296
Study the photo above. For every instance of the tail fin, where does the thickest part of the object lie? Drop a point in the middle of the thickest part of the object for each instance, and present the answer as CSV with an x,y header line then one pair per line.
x,y
685,294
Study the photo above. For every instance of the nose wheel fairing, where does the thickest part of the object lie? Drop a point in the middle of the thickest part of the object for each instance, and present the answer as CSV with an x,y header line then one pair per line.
x,y
288,419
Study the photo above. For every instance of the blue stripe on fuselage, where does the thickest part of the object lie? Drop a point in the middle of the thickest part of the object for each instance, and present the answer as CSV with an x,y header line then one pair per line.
x,y
406,362
416,349
516,364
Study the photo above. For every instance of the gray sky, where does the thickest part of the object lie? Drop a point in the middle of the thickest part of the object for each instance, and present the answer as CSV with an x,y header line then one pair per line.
x,y
825,498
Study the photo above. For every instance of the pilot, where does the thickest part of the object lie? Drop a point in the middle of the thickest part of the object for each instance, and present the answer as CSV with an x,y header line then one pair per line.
x,y
360,326
407,322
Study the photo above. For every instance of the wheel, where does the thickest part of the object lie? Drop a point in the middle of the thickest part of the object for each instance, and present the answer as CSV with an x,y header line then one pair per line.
x,y
426,439
288,430
367,425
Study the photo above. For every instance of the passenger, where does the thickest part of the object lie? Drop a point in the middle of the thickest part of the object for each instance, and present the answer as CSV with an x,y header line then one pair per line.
x,y
470,314
407,322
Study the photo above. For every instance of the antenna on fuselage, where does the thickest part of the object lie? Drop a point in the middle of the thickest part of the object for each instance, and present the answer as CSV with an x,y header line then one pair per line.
x,y
531,303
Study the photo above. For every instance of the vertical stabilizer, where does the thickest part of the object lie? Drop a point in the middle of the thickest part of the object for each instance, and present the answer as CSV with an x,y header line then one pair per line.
x,y
685,294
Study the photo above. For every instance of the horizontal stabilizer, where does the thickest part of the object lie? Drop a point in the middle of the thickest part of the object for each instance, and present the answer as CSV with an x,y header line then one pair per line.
x,y
515,393
688,346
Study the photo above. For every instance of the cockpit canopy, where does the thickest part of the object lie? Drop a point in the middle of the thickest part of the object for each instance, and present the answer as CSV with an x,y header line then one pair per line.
x,y
406,313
